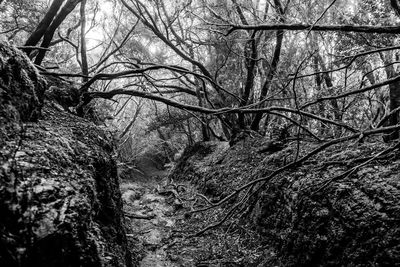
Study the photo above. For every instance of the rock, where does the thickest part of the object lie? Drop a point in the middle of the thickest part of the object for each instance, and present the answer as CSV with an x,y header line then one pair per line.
x,y
21,86
65,95
315,221
196,161
308,215
60,203
131,195
271,147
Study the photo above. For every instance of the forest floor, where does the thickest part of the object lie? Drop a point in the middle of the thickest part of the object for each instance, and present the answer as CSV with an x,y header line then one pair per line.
x,y
160,229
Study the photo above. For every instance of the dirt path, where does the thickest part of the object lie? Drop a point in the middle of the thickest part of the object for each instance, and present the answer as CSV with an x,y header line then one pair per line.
x,y
152,220
150,211
155,214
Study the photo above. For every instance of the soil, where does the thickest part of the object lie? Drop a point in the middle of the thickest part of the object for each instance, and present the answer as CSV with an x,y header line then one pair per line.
x,y
150,214
159,227
338,208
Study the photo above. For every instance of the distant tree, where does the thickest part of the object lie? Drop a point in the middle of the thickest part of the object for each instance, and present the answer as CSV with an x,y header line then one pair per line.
x,y
18,18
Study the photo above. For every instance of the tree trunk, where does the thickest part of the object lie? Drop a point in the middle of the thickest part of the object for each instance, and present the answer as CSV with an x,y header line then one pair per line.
x,y
44,24
251,55
394,98
168,150
378,110
394,88
321,106
189,133
200,96
274,65
48,36
84,66
250,61
132,122
269,78
329,84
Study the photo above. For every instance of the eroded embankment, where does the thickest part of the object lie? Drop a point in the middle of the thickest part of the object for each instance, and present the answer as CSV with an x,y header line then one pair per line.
x,y
160,221
60,203
150,220
152,209
339,208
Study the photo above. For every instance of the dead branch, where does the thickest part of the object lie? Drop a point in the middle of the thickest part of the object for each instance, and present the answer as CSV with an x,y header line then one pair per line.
x,y
170,102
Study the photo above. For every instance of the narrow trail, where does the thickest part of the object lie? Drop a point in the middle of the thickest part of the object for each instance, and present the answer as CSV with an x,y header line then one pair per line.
x,y
157,220
150,211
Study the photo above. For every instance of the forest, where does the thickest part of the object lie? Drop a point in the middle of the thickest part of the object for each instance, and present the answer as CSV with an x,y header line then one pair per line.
x,y
199,133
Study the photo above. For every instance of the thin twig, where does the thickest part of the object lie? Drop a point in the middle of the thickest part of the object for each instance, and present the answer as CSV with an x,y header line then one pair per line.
x,y
140,216
320,17
297,163
354,169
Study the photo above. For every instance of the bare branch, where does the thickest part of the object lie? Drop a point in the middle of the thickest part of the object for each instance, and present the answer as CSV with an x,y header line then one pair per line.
x,y
321,27
354,92
298,163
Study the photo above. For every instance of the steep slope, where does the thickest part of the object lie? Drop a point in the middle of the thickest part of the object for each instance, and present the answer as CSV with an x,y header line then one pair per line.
x,y
339,209
60,203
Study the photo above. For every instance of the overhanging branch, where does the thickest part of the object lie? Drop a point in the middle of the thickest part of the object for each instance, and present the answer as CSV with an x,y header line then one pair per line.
x,y
173,103
321,27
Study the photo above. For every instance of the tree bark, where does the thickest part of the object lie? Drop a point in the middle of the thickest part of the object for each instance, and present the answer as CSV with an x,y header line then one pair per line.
x,y
329,84
85,69
321,106
273,68
250,60
48,36
394,98
394,88
44,24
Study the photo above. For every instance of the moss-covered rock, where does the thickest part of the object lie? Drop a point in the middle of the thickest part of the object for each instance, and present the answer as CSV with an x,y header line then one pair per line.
x,y
199,164
311,215
21,87
60,203
316,216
